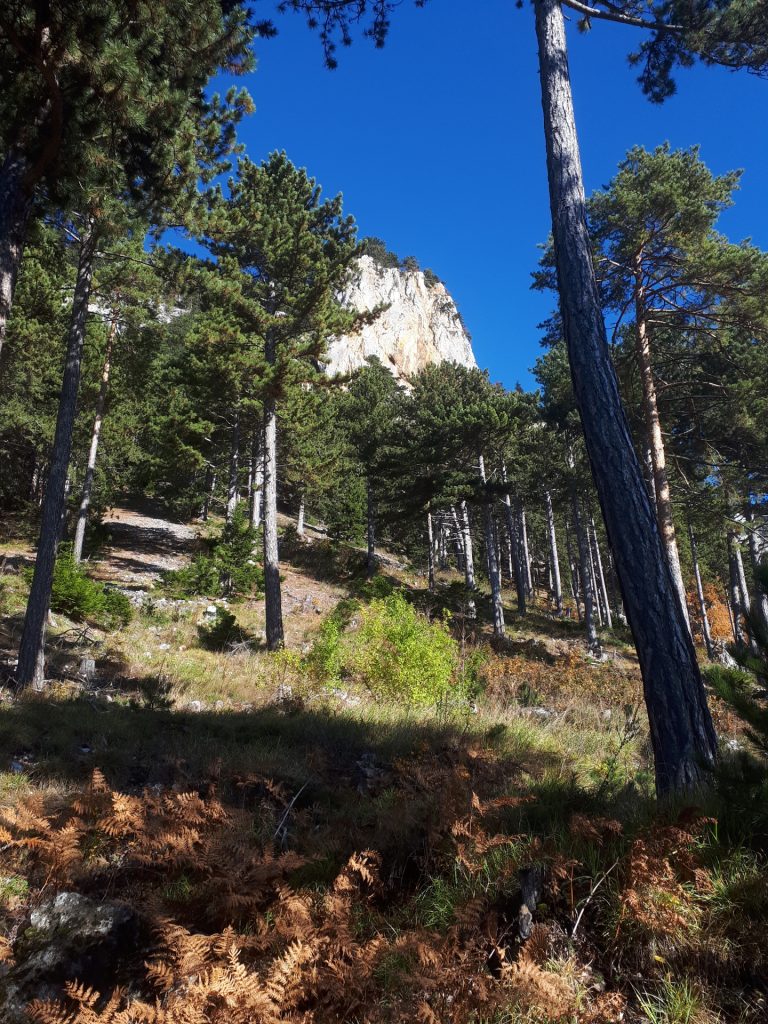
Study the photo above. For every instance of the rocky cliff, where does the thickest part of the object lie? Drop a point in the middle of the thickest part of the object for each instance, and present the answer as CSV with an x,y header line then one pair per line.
x,y
421,324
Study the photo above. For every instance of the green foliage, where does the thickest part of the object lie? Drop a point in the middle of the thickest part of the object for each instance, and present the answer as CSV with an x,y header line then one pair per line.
x,y
82,599
229,569
222,632
155,693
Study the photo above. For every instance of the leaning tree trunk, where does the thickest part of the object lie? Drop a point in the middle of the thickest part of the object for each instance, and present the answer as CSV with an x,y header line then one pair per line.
x,y
494,575
656,441
430,554
31,666
514,547
705,630
15,210
93,451
601,576
233,489
370,517
682,734
585,571
555,561
469,559
272,593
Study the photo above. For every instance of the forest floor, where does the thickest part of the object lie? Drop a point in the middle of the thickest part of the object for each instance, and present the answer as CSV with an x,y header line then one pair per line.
x,y
263,847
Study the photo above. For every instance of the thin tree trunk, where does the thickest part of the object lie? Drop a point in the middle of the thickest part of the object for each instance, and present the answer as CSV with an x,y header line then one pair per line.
x,y
469,559
31,665
494,575
656,440
430,553
705,630
300,517
514,548
756,557
737,606
683,737
647,466
15,210
370,516
90,469
572,568
272,592
458,540
585,573
554,560
257,471
526,552
745,602
601,577
598,607
233,487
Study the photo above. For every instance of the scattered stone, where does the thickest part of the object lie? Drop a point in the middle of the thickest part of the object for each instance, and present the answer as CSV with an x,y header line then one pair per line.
x,y
195,705
68,938
210,612
87,669
164,647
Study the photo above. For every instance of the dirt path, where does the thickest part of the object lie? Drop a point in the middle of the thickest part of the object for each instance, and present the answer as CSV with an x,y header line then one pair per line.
x,y
142,548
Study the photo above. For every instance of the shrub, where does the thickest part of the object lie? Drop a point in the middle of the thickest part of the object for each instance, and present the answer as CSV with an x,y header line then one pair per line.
x,y
221,632
76,595
229,569
398,653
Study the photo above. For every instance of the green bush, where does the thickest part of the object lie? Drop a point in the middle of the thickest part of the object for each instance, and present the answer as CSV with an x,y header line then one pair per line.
x,y
221,632
76,595
395,653
229,569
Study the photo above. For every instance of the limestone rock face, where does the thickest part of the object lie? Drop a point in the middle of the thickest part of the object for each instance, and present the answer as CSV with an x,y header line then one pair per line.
x,y
421,326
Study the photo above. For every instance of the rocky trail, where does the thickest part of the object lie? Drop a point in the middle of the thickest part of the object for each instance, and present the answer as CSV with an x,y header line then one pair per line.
x,y
141,548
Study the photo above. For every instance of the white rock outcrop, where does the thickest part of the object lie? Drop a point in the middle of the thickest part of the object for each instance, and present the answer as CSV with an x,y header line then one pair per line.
x,y
420,326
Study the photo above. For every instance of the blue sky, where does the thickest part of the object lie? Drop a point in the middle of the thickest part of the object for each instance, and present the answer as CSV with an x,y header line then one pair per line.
x,y
437,144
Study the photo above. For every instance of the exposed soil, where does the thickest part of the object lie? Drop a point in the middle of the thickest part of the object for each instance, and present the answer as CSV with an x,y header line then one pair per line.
x,y
142,547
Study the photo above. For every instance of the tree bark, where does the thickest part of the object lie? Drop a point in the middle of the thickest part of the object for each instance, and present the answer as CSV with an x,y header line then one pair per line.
x,y
601,576
458,540
430,554
90,469
31,665
494,575
736,601
272,593
705,630
469,559
514,548
585,573
573,572
655,440
682,734
233,488
257,472
554,560
757,558
525,550
300,517
15,210
370,531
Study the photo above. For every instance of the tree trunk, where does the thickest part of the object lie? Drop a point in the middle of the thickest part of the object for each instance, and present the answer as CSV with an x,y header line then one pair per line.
x,y
370,519
526,555
90,469
597,604
430,553
585,573
655,440
458,540
257,471
31,665
300,517
573,572
601,577
494,575
705,630
647,467
272,593
757,557
554,560
682,734
514,548
233,487
15,210
469,559
737,605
